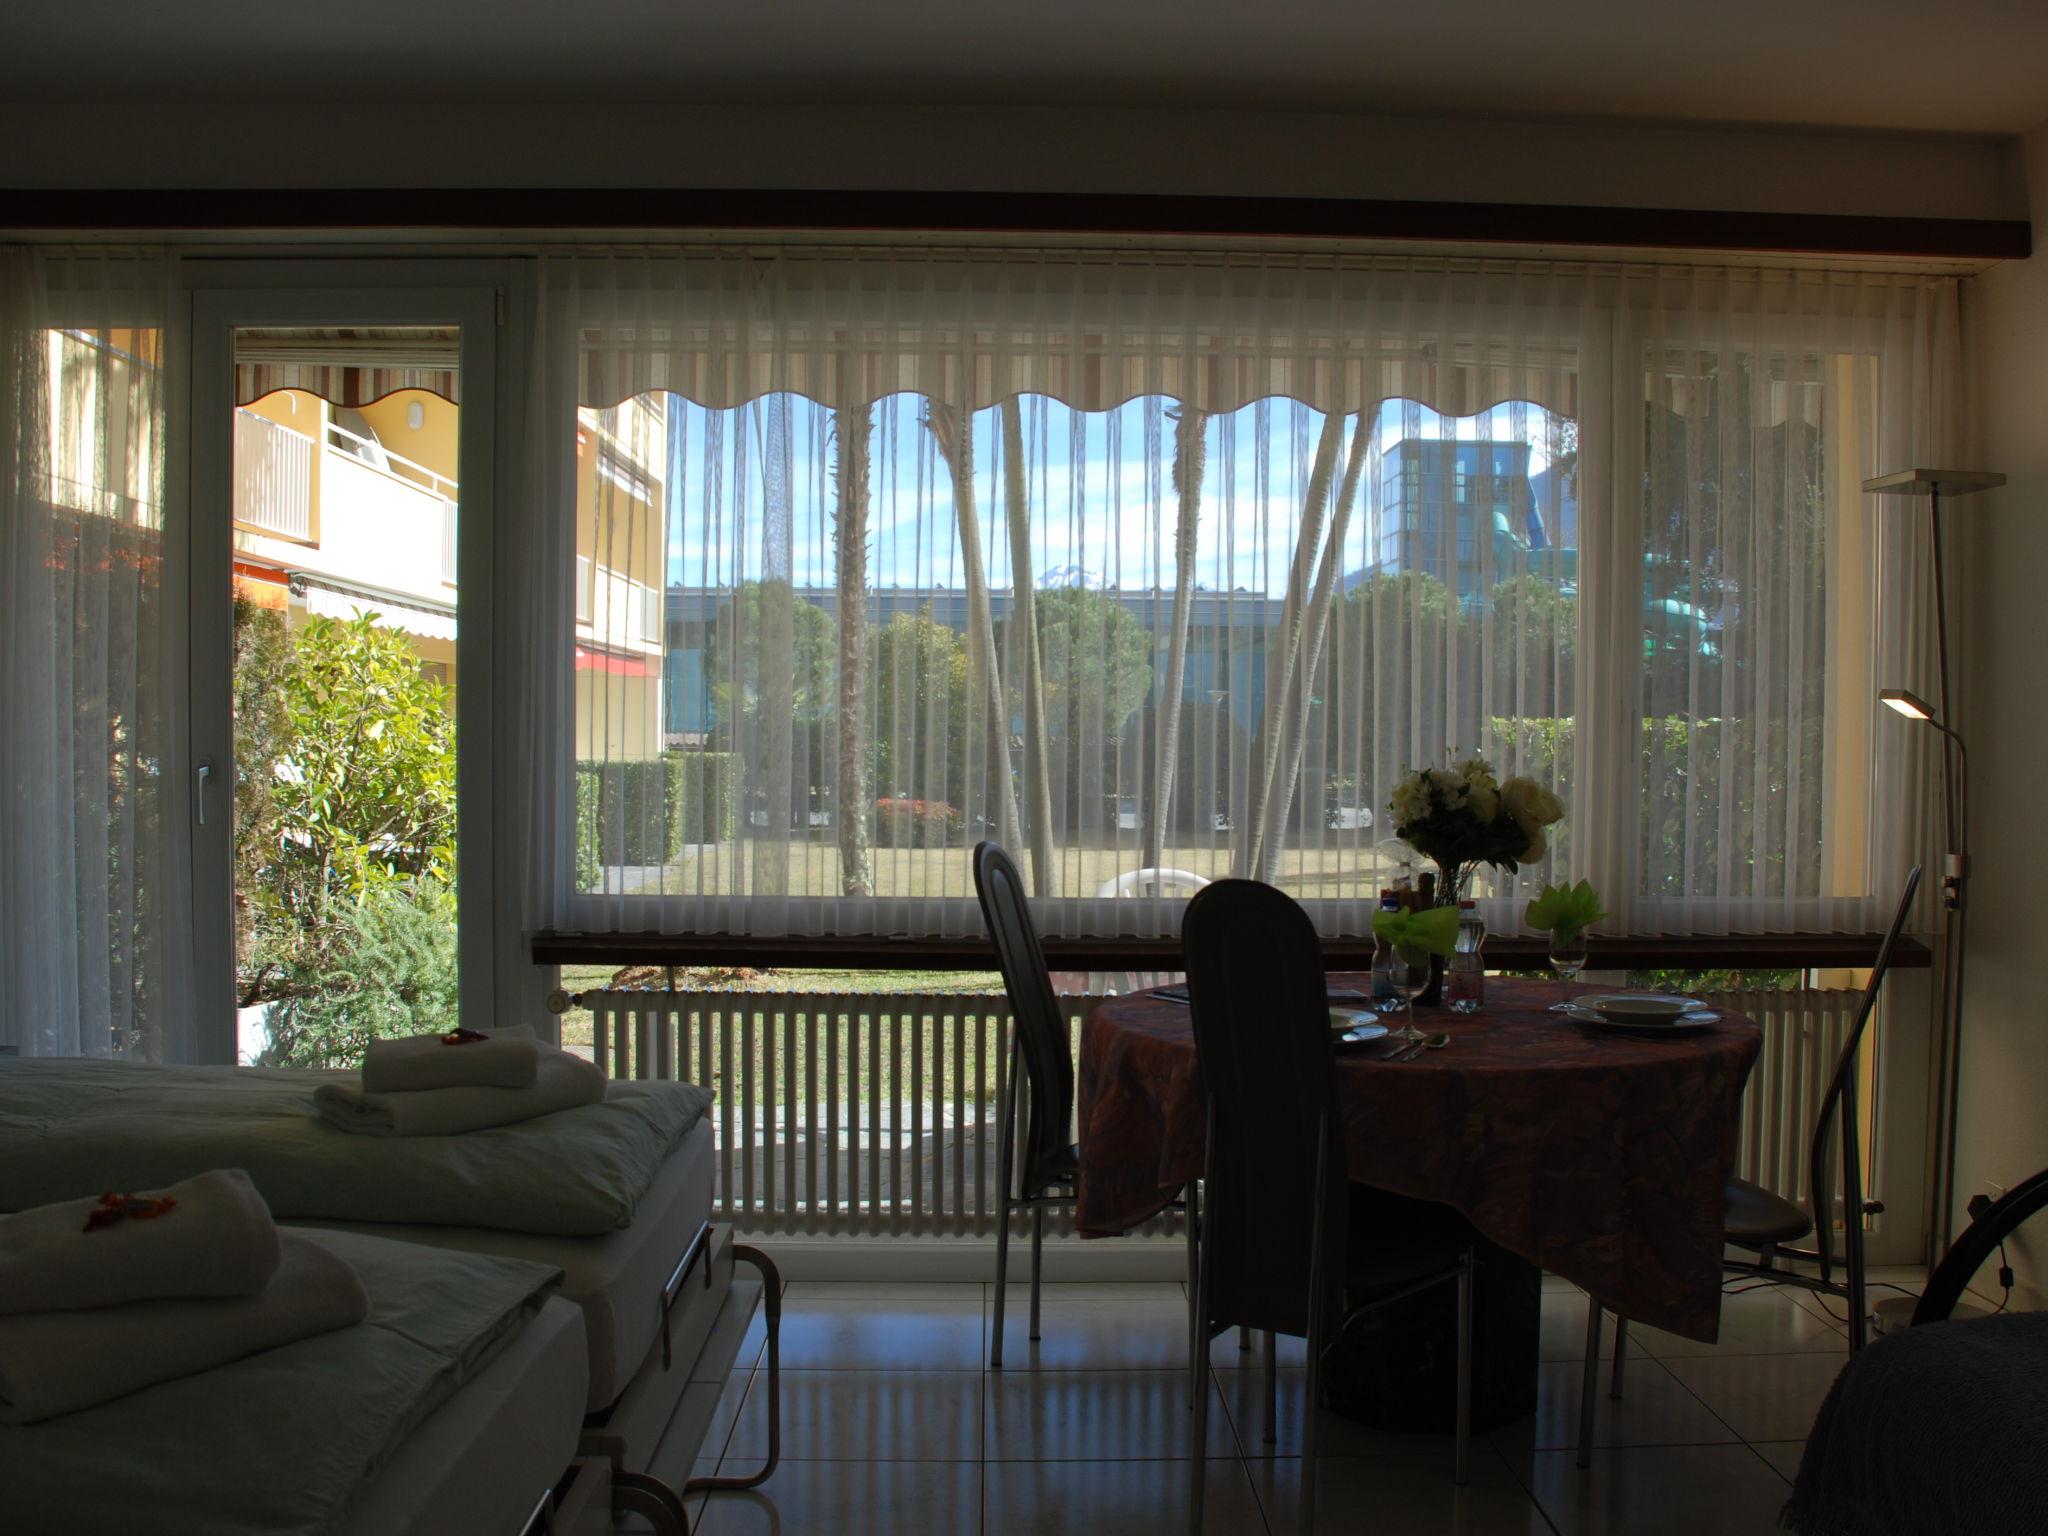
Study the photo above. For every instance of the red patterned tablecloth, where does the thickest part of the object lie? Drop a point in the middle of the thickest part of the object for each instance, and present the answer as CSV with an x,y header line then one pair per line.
x,y
1599,1157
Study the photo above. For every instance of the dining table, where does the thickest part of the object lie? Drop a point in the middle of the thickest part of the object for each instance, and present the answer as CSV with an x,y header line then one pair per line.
x,y
1593,1154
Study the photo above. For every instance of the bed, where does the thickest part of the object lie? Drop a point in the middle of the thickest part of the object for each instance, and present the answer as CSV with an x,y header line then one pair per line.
x,y
616,1195
457,1405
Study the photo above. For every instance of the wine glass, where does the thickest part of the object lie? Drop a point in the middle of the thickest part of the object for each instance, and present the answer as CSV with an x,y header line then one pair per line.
x,y
1567,958
1410,977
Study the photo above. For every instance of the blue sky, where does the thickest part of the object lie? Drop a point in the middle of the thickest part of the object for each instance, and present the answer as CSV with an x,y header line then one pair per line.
x,y
1098,483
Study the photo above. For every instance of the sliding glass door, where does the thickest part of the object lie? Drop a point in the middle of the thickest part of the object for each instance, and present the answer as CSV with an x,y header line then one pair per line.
x,y
339,695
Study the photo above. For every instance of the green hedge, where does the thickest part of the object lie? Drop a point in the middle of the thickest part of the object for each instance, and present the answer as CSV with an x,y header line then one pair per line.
x,y
647,811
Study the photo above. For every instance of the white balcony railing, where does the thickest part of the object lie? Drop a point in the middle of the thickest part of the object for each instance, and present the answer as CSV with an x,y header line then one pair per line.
x,y
273,478
614,610
876,1113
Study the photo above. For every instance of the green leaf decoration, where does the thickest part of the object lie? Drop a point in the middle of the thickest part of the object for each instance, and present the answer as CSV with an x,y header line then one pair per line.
x,y
1565,911
1432,931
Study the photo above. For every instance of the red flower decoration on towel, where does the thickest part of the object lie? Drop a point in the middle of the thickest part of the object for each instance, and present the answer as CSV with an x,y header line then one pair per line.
x,y
114,1208
464,1037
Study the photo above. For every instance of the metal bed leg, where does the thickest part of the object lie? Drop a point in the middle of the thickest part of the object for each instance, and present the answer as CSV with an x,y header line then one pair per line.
x,y
1273,1387
771,1302
1037,1261
635,1493
1620,1356
1591,1378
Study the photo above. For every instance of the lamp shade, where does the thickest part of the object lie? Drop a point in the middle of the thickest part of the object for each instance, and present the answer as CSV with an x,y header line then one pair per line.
x,y
1911,705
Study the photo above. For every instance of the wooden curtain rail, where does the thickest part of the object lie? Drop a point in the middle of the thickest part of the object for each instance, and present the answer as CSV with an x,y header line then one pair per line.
x,y
728,210
1786,951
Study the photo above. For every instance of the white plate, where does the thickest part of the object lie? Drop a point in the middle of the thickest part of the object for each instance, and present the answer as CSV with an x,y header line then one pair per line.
x,y
1686,1023
1637,1007
1342,1019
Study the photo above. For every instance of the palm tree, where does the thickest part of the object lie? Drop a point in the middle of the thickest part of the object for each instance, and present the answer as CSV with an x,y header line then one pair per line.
x,y
1024,632
953,434
850,431
1294,669
1190,457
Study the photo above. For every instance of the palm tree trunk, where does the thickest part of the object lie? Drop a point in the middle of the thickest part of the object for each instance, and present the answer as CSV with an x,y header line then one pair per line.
x,y
953,434
1024,623
1190,457
1294,734
856,858
778,661
1286,643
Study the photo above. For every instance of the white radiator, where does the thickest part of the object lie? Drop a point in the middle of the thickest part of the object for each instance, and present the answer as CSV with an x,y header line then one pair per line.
x,y
875,1113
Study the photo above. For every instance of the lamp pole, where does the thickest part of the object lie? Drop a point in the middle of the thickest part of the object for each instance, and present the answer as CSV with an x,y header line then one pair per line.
x,y
1955,774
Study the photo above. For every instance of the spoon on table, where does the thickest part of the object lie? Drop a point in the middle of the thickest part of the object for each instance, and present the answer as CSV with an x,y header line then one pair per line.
x,y
1426,1043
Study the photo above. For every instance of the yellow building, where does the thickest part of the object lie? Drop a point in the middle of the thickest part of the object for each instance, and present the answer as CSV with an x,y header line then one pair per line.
x,y
341,510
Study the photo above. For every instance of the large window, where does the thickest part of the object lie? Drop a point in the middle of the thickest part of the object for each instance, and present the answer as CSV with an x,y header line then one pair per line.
x,y
1157,586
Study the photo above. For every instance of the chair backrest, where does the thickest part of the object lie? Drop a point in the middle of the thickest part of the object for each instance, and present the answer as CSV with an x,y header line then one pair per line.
x,y
1840,1101
1262,1036
1041,1028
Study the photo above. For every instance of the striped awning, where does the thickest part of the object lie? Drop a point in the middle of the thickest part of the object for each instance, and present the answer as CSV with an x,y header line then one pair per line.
x,y
351,366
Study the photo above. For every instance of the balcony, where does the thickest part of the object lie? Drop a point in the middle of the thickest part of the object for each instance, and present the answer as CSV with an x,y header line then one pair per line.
x,y
345,508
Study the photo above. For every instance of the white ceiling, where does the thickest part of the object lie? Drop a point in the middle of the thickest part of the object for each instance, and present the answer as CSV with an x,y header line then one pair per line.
x,y
1976,66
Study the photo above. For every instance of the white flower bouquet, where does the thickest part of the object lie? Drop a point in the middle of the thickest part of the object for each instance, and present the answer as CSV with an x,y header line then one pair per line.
x,y
1463,816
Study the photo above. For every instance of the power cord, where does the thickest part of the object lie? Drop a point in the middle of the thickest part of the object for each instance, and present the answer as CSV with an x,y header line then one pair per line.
x,y
1977,1205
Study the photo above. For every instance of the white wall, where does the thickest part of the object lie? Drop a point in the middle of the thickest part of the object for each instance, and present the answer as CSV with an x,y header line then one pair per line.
x,y
1011,149
2004,626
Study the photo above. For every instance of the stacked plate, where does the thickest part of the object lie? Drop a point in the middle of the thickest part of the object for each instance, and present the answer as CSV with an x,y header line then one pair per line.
x,y
1639,1013
1355,1026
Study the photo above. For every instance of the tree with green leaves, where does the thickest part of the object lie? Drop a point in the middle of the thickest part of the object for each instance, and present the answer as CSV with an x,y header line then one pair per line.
x,y
1096,670
759,618
919,671
364,786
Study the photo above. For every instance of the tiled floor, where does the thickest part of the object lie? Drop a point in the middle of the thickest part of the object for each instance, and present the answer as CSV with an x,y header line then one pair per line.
x,y
894,1423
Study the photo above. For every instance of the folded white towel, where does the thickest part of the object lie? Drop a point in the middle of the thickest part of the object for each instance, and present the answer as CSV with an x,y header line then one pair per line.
x,y
60,1362
562,1081
218,1240
503,1058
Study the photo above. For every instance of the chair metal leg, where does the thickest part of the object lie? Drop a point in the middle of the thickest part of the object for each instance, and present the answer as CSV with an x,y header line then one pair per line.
x,y
1005,1172
1272,1387
1592,1376
1620,1356
1466,1267
1037,1262
1194,1252
1318,1257
1198,1364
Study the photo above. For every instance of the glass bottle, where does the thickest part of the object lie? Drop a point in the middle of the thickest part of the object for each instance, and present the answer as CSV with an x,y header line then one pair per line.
x,y
1386,993
1465,975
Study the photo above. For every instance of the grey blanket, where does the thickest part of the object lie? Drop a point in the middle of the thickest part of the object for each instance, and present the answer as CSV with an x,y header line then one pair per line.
x,y
71,1128
1936,1429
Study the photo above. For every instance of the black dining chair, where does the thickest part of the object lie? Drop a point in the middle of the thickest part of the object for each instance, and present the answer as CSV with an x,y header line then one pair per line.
x,y
1767,1225
1275,1253
1042,1060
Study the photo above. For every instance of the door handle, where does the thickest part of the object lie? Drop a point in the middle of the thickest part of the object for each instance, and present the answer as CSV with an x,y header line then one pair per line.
x,y
205,782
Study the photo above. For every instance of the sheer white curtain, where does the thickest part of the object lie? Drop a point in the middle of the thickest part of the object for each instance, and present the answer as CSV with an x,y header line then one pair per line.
x,y
1162,568
89,906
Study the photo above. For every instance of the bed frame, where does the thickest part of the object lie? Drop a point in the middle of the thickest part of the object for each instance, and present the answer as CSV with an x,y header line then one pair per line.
x,y
705,1314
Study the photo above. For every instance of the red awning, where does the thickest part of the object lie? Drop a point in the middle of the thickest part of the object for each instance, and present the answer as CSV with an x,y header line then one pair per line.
x,y
615,666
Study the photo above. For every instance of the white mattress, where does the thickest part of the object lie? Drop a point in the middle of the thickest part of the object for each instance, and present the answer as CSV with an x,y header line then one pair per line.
x,y
481,1461
616,1278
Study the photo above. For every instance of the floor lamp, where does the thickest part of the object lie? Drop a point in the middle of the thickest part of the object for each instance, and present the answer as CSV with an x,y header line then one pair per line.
x,y
1955,773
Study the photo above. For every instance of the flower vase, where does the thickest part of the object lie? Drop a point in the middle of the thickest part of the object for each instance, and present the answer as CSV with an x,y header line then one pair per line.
x,y
1445,888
